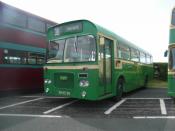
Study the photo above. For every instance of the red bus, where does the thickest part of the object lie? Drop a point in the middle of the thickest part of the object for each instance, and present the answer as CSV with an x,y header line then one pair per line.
x,y
22,49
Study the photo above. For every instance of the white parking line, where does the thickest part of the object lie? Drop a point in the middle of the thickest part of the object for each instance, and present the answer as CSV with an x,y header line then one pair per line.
x,y
30,115
162,107
146,98
154,117
114,106
59,107
45,97
20,103
162,104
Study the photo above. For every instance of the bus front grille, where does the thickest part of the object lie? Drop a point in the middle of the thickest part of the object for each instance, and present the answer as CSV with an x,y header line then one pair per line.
x,y
64,80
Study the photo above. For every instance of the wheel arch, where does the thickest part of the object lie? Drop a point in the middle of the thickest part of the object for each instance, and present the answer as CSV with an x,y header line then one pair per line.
x,y
120,77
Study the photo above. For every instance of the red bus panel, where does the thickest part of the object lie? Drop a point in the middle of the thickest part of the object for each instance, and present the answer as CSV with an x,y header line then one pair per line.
x,y
21,79
22,37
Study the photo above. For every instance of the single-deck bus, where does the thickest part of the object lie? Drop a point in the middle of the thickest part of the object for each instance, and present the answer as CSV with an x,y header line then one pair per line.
x,y
171,62
87,61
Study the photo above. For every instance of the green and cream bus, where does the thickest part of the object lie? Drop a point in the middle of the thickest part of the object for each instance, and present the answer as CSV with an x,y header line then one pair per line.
x,y
171,61
87,61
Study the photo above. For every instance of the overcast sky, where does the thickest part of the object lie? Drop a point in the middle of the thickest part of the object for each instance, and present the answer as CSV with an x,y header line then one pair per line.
x,y
142,22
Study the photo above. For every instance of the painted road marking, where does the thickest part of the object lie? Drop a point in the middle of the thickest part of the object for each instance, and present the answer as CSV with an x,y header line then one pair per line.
x,y
45,97
146,98
59,107
114,106
154,117
20,103
162,104
30,115
162,107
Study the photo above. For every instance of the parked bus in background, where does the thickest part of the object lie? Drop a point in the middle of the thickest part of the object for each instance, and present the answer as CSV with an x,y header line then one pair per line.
x,y
171,61
22,49
87,61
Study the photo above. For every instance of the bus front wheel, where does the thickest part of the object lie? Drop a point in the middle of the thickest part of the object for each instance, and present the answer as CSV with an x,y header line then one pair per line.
x,y
119,90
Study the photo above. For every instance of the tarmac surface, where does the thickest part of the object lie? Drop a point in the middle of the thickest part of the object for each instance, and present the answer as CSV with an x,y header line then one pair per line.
x,y
141,110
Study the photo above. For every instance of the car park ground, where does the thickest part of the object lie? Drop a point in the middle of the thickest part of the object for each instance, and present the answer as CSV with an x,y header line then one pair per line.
x,y
141,110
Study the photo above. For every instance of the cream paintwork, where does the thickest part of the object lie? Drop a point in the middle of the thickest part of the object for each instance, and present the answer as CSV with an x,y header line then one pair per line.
x,y
73,67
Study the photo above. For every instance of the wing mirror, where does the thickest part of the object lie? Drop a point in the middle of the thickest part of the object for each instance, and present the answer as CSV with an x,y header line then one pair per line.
x,y
166,53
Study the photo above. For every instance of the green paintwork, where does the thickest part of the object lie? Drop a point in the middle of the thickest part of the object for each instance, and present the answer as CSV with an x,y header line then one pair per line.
x,y
171,78
65,82
171,37
171,83
70,85
134,75
15,46
20,66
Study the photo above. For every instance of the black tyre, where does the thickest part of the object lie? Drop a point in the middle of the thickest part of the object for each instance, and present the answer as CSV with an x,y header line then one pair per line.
x,y
145,82
119,90
173,100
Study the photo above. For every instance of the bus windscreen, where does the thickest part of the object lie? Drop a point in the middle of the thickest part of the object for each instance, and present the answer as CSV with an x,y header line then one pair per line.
x,y
74,49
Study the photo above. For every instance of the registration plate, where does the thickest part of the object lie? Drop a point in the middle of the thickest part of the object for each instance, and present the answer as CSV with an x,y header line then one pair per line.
x,y
64,93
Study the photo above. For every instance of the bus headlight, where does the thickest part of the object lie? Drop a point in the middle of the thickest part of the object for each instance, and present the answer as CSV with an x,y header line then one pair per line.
x,y
83,94
47,90
47,81
84,83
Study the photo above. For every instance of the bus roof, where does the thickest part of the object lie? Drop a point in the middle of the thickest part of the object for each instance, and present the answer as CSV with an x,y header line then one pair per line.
x,y
4,5
104,31
118,38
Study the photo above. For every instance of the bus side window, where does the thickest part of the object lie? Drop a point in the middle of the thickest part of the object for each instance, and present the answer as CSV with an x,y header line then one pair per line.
x,y
36,25
148,59
119,53
35,58
14,17
40,60
142,57
31,58
151,59
134,55
1,56
123,52
14,57
11,56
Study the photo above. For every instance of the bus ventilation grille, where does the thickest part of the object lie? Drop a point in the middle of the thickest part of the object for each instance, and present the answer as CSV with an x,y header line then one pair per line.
x,y
64,80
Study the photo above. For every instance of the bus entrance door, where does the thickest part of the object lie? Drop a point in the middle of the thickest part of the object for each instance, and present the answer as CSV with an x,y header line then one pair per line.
x,y
105,66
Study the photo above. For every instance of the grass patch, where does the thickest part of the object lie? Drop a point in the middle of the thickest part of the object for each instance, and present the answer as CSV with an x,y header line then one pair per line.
x,y
157,84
